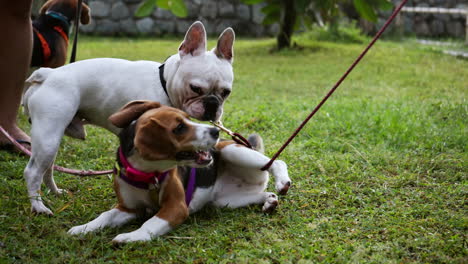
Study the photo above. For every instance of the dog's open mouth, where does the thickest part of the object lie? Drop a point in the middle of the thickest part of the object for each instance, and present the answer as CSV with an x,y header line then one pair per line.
x,y
200,157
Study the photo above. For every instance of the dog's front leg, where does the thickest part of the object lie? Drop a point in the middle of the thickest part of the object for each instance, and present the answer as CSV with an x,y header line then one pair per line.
x,y
173,212
154,227
112,218
251,159
158,225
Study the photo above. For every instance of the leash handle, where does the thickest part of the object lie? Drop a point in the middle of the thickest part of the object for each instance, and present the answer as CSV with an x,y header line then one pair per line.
x,y
298,129
77,24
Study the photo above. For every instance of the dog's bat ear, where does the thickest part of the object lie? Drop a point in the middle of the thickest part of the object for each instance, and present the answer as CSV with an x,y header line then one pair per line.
x,y
195,41
85,14
224,48
45,7
131,111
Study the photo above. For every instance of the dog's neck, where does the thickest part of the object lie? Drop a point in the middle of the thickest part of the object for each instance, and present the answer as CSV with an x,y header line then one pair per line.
x,y
52,19
171,66
60,16
139,163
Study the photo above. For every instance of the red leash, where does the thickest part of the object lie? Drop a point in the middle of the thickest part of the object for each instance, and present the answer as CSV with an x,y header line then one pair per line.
x,y
57,168
298,129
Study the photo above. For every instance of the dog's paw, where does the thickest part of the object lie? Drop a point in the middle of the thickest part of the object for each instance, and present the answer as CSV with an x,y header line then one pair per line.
x,y
38,207
60,191
282,187
279,170
77,230
131,237
271,203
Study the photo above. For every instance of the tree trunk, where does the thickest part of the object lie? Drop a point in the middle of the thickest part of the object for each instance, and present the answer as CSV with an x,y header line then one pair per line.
x,y
288,20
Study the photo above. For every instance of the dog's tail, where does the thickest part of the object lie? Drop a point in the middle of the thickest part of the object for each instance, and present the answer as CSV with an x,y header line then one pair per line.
x,y
33,83
257,142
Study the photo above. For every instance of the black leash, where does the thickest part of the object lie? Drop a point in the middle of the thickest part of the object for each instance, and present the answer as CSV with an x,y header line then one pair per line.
x,y
77,24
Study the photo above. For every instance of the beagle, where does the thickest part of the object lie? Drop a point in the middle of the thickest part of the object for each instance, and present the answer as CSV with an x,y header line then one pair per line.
x,y
50,32
162,154
155,140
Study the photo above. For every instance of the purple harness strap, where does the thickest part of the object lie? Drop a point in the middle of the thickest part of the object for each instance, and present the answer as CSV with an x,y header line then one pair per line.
x,y
190,186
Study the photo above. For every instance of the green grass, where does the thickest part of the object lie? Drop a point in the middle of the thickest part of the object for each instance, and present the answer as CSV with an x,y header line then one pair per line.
x,y
379,174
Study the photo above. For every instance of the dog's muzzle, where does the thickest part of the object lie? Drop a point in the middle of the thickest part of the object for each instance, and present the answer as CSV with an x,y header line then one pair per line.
x,y
211,104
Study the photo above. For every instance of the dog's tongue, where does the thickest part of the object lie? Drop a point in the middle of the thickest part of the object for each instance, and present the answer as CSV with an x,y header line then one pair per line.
x,y
203,157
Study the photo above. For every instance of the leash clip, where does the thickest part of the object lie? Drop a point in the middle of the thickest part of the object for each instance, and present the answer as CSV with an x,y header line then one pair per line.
x,y
238,138
220,126
156,184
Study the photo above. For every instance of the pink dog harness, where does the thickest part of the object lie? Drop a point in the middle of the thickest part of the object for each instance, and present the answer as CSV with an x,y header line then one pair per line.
x,y
139,178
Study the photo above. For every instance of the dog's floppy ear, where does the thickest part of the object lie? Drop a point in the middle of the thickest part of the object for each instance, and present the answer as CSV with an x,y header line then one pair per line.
x,y
131,111
45,7
85,14
224,48
195,41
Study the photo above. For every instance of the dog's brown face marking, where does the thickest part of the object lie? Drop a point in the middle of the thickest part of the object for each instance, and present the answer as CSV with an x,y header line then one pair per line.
x,y
223,144
166,133
163,132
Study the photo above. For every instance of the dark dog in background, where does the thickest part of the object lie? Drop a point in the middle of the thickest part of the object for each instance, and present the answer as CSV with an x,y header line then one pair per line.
x,y
51,30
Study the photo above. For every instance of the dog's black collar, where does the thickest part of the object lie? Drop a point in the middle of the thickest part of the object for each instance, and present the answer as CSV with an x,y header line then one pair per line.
x,y
61,17
163,81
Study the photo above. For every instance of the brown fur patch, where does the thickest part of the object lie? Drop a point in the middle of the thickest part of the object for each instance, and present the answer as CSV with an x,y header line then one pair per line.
x,y
223,144
85,17
131,111
155,138
173,207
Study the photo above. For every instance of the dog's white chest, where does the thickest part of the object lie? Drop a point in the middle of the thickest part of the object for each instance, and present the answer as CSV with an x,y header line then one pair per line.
x,y
137,198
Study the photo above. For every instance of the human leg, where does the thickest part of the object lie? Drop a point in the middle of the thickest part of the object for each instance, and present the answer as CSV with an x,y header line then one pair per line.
x,y
16,56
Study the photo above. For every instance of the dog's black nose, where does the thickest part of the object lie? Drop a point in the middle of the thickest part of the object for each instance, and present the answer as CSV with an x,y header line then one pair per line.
x,y
211,104
214,132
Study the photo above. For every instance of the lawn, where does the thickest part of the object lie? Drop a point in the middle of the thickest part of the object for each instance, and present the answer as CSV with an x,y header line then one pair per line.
x,y
379,174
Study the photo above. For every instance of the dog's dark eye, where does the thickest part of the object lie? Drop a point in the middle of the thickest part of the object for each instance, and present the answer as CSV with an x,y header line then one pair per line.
x,y
196,89
180,129
225,93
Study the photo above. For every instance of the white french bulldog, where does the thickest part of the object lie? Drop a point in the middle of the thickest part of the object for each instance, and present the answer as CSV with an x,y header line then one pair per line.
x,y
62,100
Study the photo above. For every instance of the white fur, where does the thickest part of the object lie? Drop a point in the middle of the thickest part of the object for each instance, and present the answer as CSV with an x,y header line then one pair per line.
x,y
96,88
240,181
134,198
200,198
202,135
111,218
153,227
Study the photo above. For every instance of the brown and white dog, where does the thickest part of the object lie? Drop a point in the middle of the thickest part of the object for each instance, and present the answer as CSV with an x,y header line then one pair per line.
x,y
50,32
164,138
161,153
